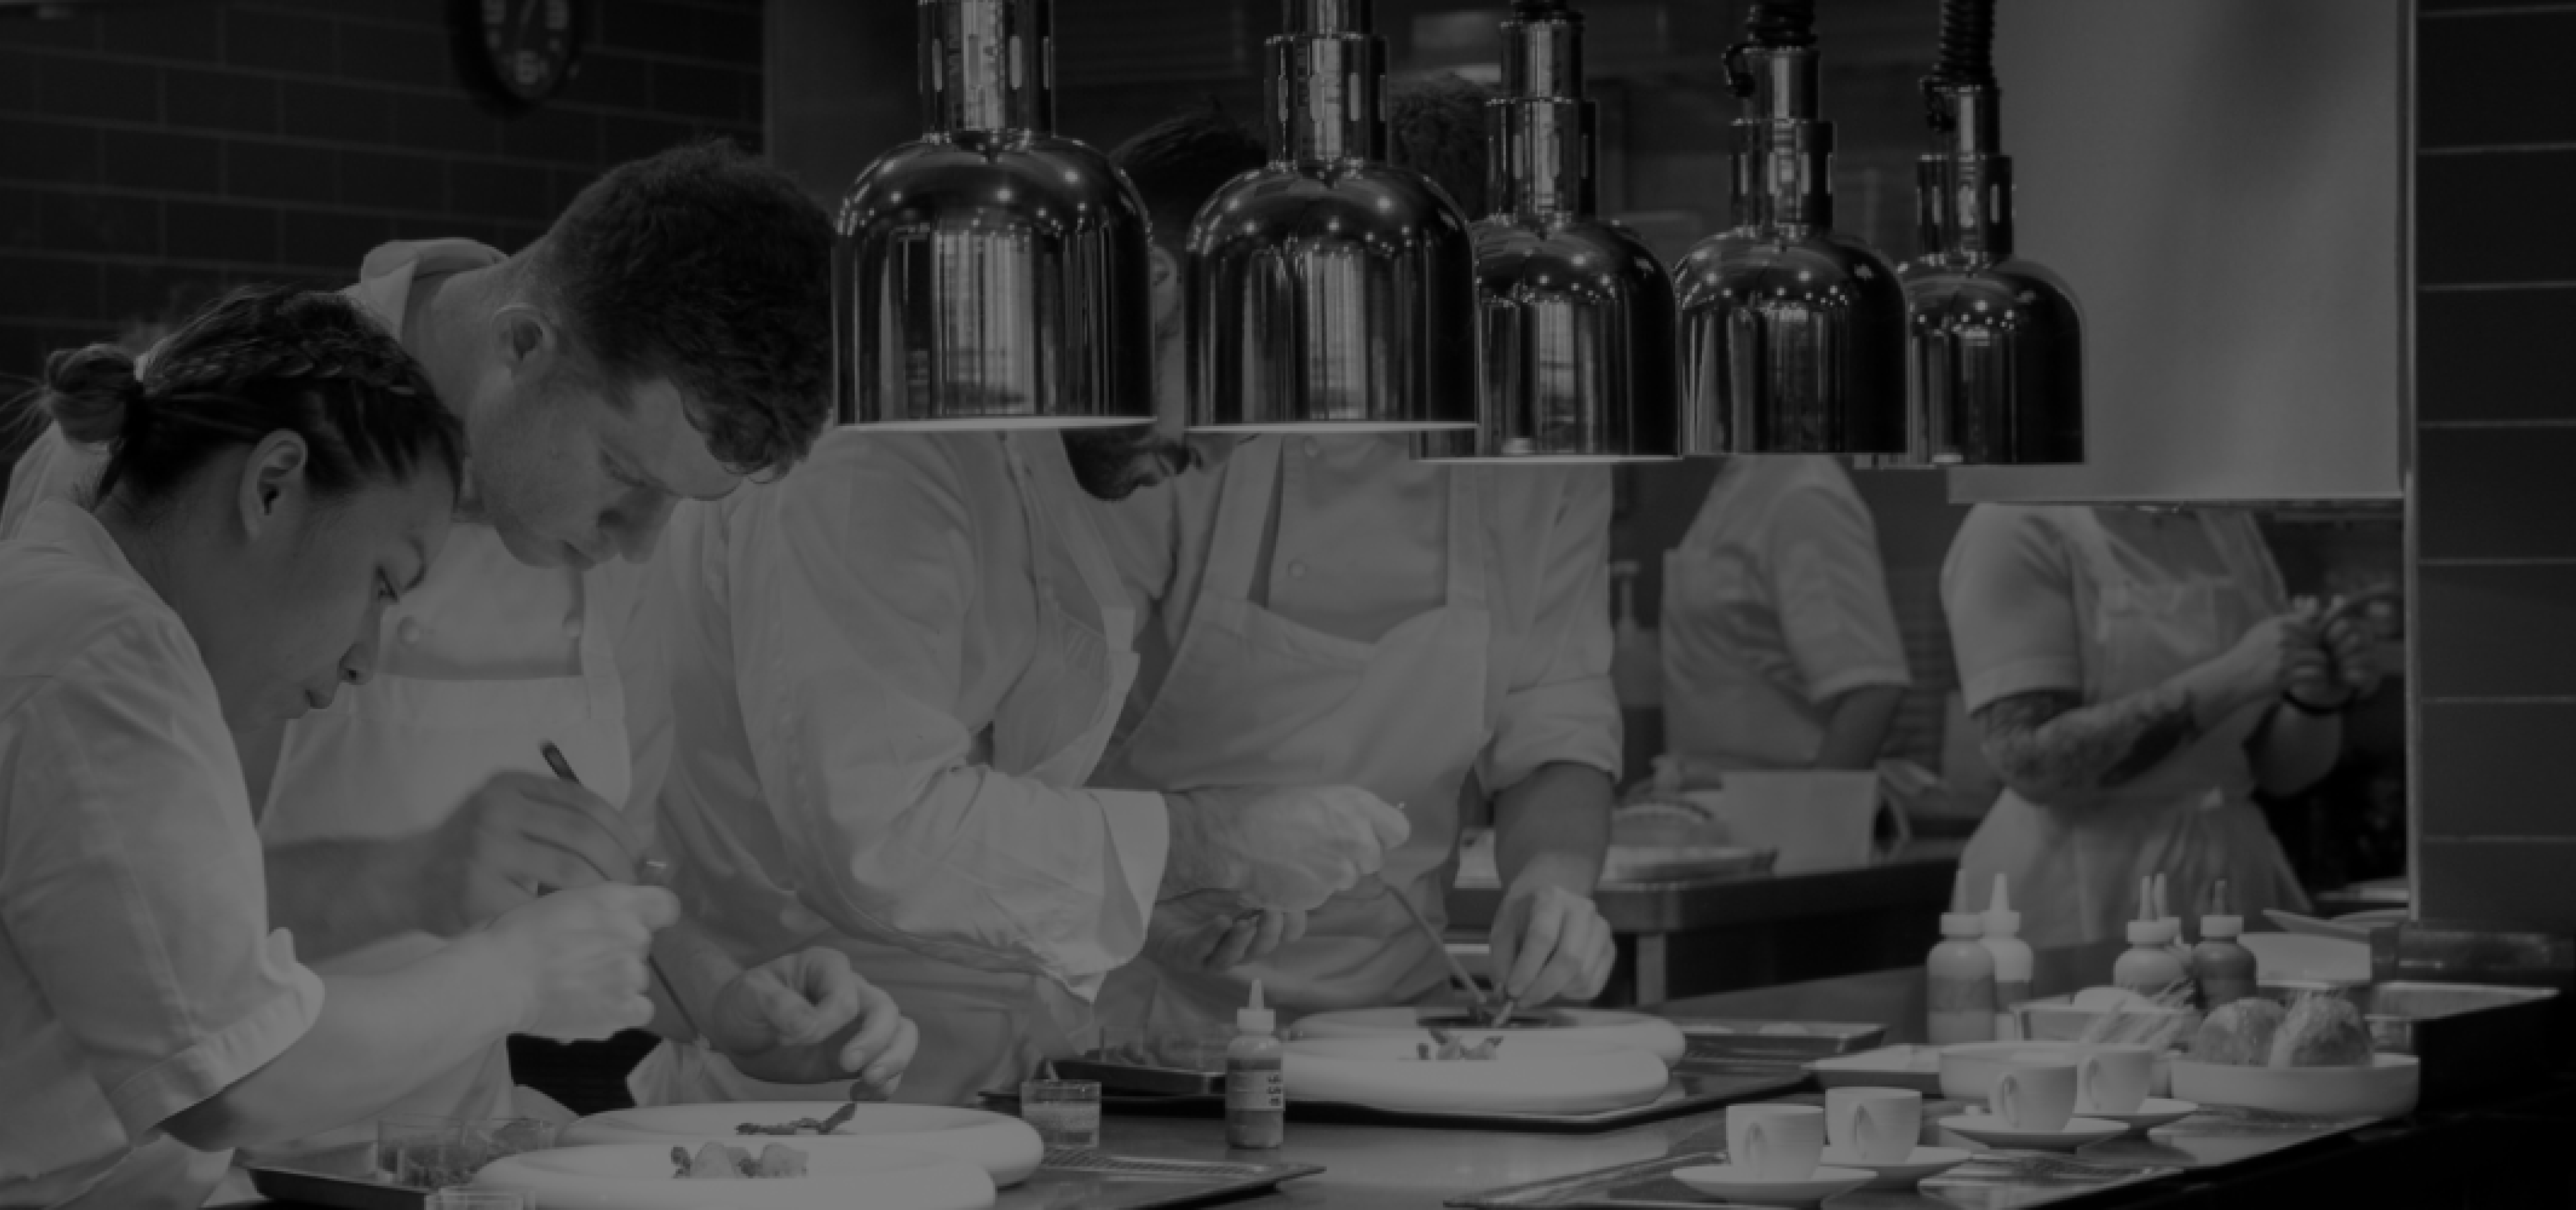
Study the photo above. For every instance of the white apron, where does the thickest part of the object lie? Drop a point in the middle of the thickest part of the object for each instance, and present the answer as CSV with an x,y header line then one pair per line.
x,y
1715,707
1254,699
2075,868
395,756
981,1029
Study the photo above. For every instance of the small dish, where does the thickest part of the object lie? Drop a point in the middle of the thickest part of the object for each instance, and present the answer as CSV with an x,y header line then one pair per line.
x,y
2150,1113
1924,1163
1726,1182
1993,1131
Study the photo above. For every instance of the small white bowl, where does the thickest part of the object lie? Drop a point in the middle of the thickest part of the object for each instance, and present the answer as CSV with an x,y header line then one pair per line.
x,y
2387,1088
1728,1183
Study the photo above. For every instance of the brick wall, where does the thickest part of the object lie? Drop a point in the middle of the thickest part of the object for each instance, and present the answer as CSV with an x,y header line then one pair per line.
x,y
2495,459
153,154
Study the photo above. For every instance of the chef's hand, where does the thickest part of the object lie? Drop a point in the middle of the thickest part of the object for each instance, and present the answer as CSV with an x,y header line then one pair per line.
x,y
514,834
577,959
2269,657
2354,644
808,1018
1289,848
1214,931
1549,942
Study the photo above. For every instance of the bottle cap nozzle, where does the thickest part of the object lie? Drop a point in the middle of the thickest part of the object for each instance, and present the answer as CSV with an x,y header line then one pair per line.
x,y
2145,932
1962,924
1253,1018
2222,926
2002,900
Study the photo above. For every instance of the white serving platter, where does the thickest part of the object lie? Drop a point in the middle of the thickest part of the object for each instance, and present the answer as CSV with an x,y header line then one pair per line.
x,y
1528,1075
639,1176
2387,1088
1005,1147
1654,1035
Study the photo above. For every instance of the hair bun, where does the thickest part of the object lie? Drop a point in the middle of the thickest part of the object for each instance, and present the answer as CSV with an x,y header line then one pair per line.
x,y
91,392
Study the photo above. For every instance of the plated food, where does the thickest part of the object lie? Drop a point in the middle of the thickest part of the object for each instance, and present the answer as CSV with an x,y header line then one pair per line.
x,y
1451,1049
2314,1057
721,1162
811,1176
1654,1035
1529,1074
2316,1030
817,1126
1004,1147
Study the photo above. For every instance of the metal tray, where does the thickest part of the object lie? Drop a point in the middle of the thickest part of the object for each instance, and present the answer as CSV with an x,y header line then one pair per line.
x,y
343,1177
1696,1087
2012,1179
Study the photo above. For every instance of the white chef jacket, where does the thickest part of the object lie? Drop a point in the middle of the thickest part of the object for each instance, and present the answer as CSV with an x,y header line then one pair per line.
x,y
487,658
1358,544
857,719
138,974
1775,604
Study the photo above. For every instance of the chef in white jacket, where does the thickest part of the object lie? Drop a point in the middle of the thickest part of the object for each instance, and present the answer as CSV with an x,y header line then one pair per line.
x,y
893,672
1342,613
597,382
1780,648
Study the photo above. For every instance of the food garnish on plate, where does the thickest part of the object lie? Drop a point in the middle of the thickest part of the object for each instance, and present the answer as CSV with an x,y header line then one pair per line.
x,y
802,1125
2319,1029
724,1162
1451,1049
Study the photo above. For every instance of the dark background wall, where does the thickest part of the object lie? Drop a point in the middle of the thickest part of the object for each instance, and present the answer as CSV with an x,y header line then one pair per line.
x,y
2495,459
152,154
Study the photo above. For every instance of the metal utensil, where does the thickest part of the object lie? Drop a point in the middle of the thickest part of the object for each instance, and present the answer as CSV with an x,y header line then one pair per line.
x,y
654,873
1457,969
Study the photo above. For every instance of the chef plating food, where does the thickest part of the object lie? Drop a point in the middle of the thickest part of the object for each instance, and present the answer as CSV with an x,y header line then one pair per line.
x,y
1342,613
278,476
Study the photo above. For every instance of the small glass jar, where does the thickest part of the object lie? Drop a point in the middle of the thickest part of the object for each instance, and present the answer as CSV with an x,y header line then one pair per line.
x,y
1065,1113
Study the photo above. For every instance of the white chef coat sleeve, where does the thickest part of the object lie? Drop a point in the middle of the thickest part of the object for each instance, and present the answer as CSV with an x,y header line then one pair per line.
x,y
131,884
853,617
1832,593
2008,587
52,468
1557,703
641,648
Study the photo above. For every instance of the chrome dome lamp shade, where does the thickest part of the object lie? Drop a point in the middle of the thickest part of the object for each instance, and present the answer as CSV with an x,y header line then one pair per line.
x,y
1330,291
991,275
1994,343
1793,336
1575,313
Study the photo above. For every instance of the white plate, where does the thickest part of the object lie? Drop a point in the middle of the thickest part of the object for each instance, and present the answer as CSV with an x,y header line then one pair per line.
x,y
1924,1163
2385,1089
637,1176
2150,1113
1724,1182
1992,1131
1528,1075
2297,958
1005,1147
2353,927
1654,1035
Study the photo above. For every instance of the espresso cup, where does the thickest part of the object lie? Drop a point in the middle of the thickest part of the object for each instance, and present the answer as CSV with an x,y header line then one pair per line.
x,y
2115,1079
2035,1095
1880,1125
1775,1142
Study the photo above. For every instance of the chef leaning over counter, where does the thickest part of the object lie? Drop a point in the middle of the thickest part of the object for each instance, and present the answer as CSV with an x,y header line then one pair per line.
x,y
279,476
663,340
1342,613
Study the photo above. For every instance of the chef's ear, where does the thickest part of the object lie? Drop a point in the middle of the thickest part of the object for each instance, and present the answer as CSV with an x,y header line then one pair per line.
x,y
531,342
273,481
1166,279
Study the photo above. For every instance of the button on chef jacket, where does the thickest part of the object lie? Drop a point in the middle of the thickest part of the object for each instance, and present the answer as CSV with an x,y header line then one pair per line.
x,y
1775,603
1342,614
138,974
484,660
893,671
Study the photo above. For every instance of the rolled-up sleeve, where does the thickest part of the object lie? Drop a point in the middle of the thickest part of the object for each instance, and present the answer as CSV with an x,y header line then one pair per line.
x,y
1832,592
1557,703
2009,590
131,885
855,616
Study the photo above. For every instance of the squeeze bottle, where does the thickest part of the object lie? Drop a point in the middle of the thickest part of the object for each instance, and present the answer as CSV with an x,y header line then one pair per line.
x,y
1960,977
2012,960
1256,1080
2150,965
2225,969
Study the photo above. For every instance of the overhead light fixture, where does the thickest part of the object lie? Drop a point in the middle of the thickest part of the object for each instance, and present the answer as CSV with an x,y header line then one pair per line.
x,y
1330,291
1995,343
992,274
1793,336
1575,313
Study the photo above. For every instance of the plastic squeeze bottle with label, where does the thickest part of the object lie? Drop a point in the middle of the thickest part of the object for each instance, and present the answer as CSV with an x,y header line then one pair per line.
x,y
1960,976
2150,966
1256,1079
2012,960
2225,969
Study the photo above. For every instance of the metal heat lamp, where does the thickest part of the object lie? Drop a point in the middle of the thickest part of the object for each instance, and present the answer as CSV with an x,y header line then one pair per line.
x,y
1330,291
1995,344
1576,314
1793,336
992,274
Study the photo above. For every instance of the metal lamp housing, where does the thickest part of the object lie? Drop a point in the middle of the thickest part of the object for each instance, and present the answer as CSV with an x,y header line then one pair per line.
x,y
1328,290
991,275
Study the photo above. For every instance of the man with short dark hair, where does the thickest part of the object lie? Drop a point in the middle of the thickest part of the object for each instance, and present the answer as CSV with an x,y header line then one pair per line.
x,y
666,338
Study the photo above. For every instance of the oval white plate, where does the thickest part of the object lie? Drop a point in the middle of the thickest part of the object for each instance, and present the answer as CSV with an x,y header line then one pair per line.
x,y
2354,927
1654,1035
1994,1132
2386,1089
1008,1148
1725,1183
1546,1075
848,1176
1923,1163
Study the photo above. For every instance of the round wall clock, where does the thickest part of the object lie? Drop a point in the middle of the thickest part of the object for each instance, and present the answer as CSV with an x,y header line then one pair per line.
x,y
514,54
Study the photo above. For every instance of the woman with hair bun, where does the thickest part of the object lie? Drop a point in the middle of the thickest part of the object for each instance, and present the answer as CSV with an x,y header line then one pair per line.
x,y
277,473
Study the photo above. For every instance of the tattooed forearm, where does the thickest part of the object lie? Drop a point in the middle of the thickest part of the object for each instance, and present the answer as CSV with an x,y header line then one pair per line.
x,y
2047,743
